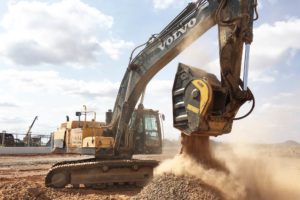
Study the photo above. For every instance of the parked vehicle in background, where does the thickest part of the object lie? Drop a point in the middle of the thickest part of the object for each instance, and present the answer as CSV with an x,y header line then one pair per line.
x,y
7,139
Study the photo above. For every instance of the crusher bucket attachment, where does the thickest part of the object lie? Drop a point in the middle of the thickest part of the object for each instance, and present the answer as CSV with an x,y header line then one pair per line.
x,y
199,103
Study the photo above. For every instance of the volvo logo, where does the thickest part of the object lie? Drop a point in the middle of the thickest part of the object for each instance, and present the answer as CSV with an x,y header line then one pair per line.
x,y
178,33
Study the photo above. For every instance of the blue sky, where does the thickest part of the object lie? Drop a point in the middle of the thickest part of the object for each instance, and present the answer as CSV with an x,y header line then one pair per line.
x,y
56,56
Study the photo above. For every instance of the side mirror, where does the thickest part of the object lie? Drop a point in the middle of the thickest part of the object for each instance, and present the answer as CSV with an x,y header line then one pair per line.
x,y
163,117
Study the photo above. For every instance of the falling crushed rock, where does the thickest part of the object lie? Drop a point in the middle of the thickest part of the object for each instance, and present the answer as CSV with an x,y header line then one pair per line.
x,y
169,186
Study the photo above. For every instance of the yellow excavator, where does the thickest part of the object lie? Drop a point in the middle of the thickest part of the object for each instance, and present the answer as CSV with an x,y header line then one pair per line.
x,y
83,136
202,104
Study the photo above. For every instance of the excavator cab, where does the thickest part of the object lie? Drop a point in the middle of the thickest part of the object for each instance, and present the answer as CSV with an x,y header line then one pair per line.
x,y
148,131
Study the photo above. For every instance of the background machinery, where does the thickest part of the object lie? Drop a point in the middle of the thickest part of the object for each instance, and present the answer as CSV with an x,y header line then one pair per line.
x,y
202,104
28,139
84,136
6,139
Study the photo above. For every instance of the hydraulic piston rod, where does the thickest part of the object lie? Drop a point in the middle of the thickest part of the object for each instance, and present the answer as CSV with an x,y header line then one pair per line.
x,y
246,66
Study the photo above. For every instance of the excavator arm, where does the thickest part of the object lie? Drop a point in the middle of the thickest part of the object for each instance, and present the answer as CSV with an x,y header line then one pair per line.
x,y
235,21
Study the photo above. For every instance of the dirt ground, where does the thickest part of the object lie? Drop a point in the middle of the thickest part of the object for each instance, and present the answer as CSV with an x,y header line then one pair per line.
x,y
22,177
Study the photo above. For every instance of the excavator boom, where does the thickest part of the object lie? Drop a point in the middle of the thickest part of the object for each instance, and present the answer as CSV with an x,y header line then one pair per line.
x,y
235,22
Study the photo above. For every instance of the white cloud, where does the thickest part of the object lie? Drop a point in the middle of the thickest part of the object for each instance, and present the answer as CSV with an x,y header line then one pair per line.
x,y
8,105
159,87
272,41
272,1
113,47
50,96
275,43
51,82
11,120
30,81
164,4
64,32
275,119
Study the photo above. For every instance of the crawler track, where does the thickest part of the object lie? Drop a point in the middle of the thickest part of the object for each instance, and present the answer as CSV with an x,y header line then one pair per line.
x,y
68,162
91,172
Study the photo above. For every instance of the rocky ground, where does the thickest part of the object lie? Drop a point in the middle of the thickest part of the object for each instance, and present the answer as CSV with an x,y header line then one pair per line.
x,y
22,177
169,186
31,188
22,181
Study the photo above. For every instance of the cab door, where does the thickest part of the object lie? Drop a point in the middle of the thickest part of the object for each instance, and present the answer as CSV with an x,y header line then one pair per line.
x,y
152,133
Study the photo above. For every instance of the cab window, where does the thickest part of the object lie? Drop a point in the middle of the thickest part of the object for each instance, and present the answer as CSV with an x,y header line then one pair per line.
x,y
151,129
150,123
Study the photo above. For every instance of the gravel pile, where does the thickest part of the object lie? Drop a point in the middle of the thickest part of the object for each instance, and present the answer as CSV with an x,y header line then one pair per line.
x,y
35,190
22,189
173,187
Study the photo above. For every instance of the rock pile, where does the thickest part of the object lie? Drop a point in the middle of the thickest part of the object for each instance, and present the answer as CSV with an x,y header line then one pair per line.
x,y
169,186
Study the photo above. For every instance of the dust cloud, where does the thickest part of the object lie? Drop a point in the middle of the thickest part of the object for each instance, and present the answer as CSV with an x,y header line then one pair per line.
x,y
183,165
238,171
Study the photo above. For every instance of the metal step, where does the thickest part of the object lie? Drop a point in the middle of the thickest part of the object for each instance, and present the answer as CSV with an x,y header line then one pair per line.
x,y
180,118
179,104
178,92
181,124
